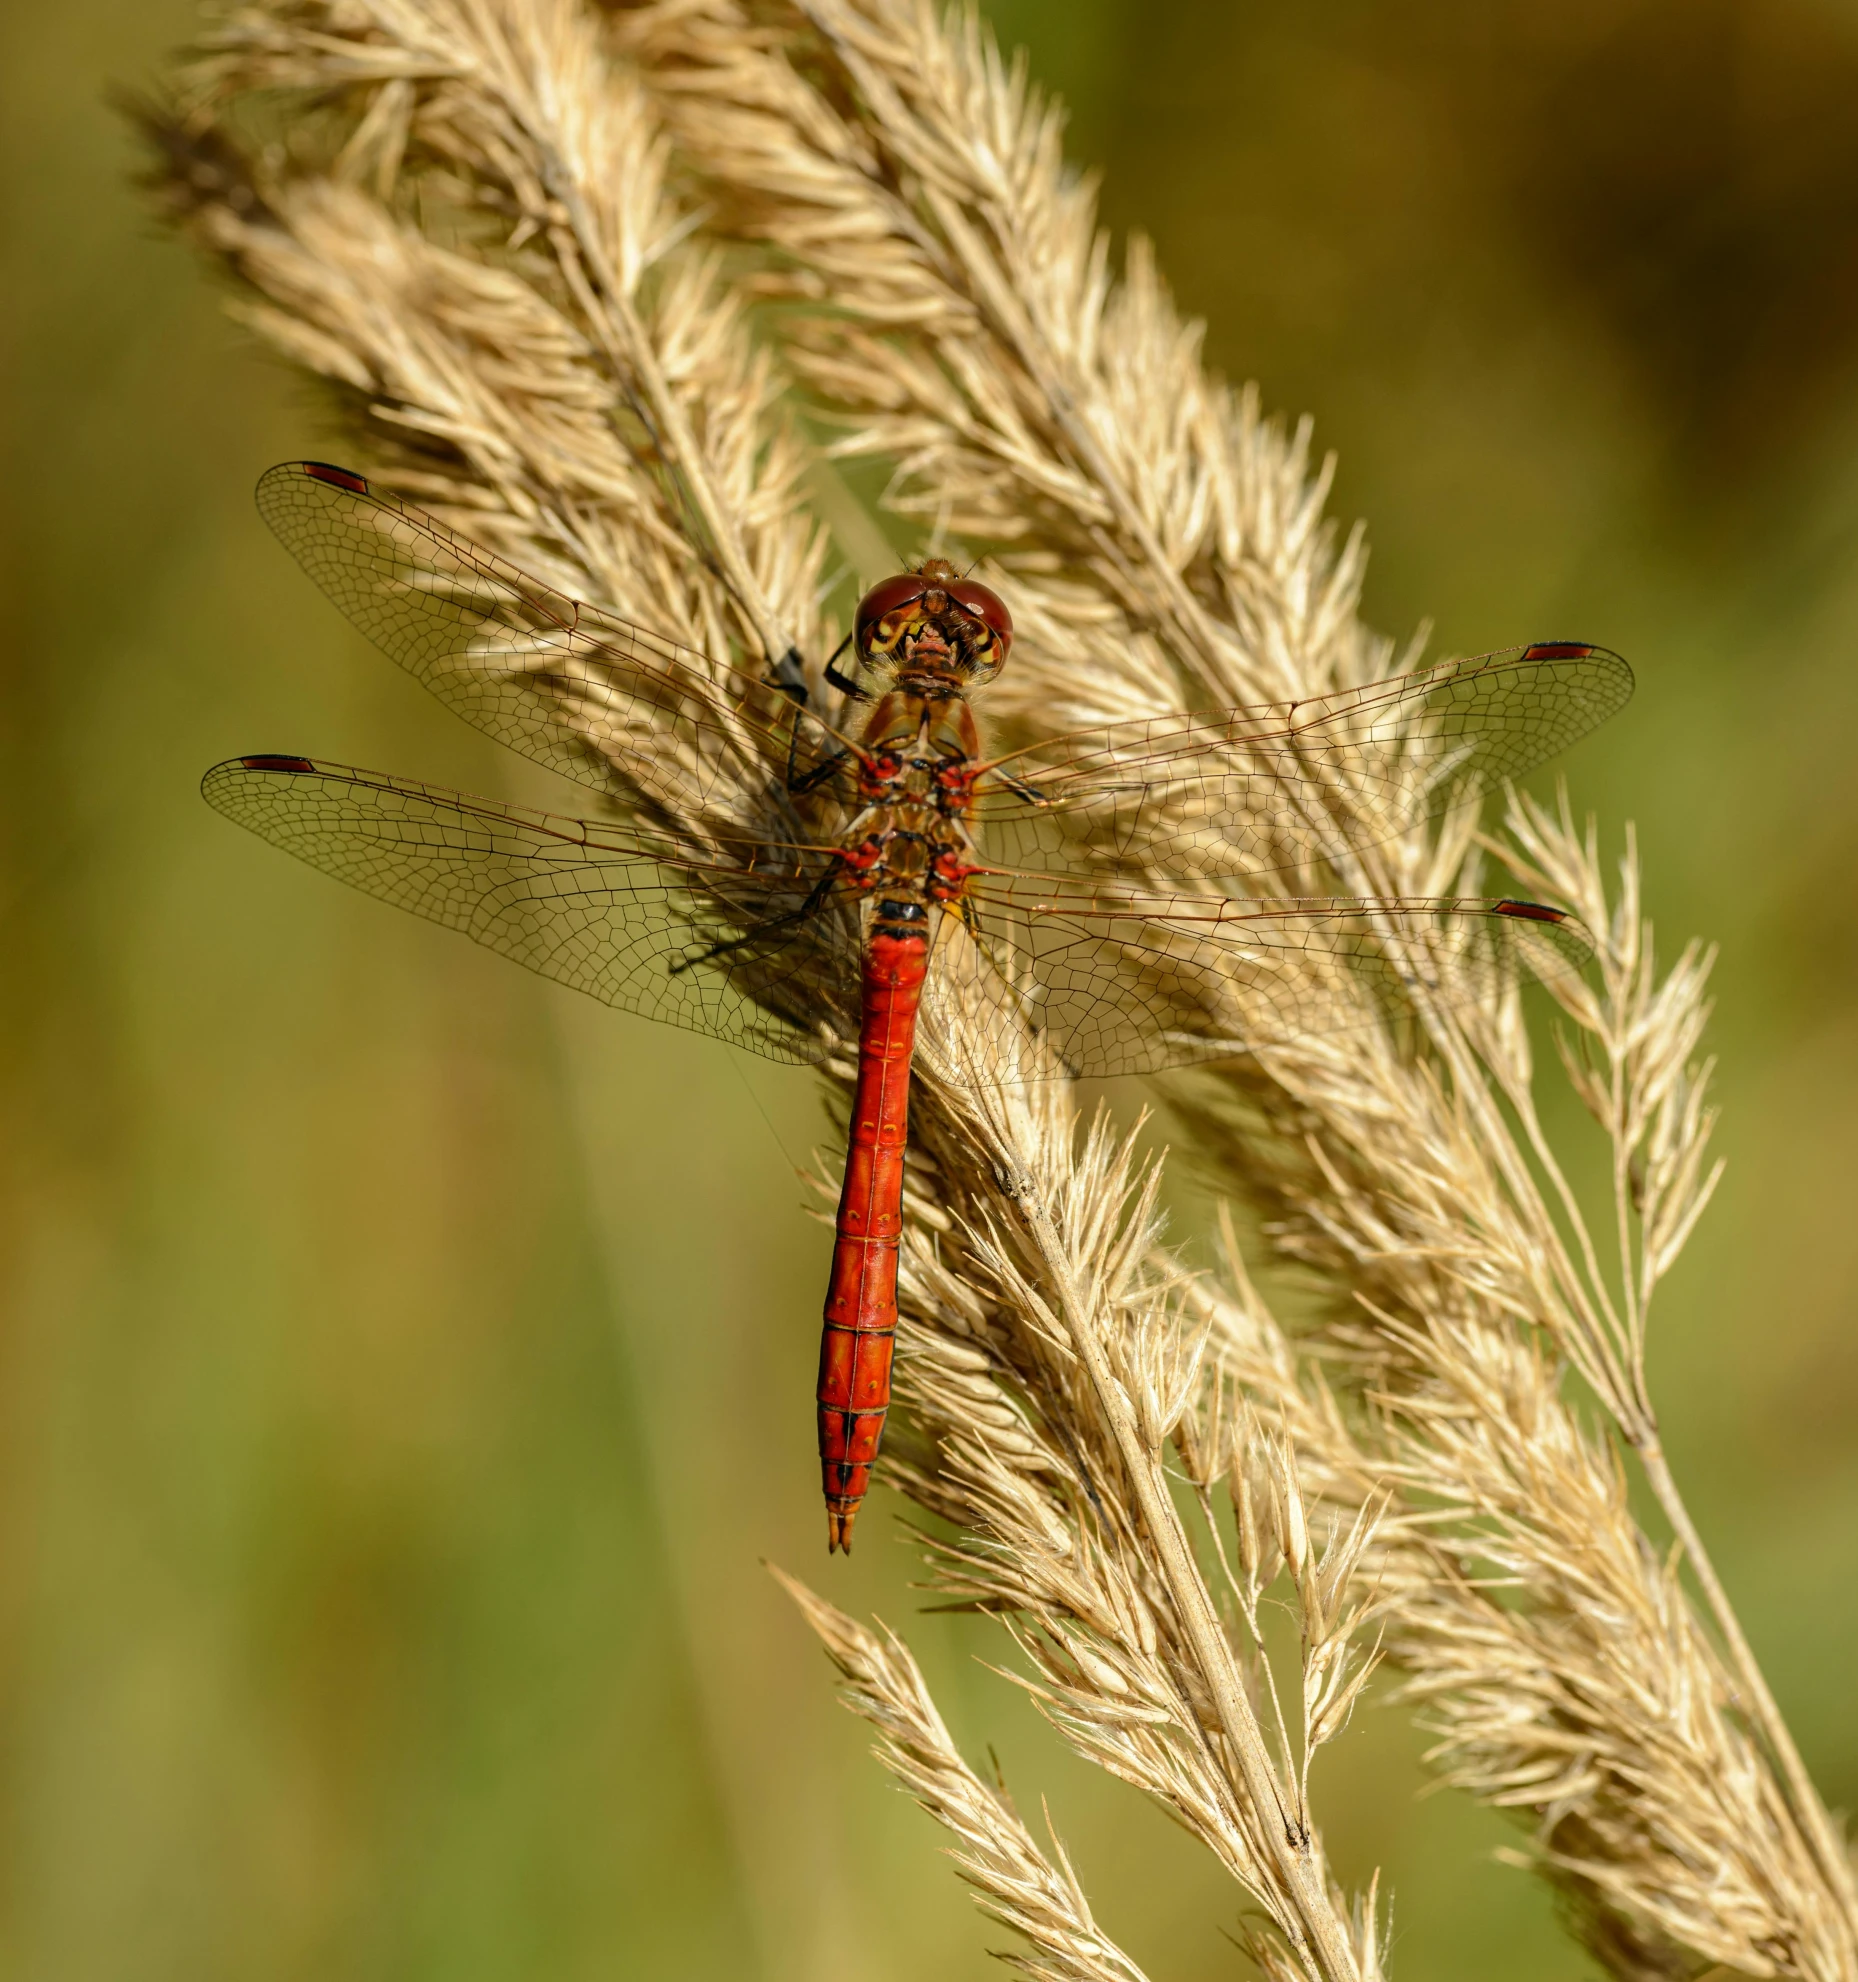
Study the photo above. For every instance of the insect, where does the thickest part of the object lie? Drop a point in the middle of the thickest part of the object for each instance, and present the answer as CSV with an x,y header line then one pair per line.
x,y
779,880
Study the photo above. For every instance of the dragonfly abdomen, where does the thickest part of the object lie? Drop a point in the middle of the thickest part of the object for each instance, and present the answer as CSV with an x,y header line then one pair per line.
x,y
861,1300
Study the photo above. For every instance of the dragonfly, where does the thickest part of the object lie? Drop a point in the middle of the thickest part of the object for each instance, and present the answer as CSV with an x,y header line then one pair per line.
x,y
787,869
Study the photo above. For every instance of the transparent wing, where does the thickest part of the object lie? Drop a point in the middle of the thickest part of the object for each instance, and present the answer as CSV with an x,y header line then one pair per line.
x,y
598,908
1263,790
1131,983
551,676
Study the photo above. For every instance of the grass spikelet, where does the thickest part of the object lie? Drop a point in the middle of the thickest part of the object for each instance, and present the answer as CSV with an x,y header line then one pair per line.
x,y
1032,1891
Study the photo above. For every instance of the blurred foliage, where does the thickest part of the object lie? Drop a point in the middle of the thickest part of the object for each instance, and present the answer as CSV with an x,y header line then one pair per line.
x,y
405,1369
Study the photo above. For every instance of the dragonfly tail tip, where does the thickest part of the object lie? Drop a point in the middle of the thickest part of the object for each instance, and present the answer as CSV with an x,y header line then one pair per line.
x,y
839,1529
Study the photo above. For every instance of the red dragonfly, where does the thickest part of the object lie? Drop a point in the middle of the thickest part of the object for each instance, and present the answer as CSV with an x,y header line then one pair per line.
x,y
769,874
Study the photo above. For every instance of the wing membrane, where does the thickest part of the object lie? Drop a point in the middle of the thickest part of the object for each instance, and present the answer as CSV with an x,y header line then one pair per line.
x,y
1228,792
1115,981
572,687
601,909
1132,983
1267,789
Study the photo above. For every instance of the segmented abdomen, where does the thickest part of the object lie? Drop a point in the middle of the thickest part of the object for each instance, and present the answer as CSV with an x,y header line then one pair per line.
x,y
861,1301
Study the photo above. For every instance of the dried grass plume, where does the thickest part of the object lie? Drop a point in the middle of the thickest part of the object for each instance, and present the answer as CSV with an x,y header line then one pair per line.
x,y
568,272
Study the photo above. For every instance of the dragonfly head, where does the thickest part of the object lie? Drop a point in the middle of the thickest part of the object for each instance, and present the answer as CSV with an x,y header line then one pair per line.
x,y
933,628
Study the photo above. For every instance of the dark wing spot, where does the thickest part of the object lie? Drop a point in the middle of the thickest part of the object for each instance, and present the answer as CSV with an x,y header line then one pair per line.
x,y
343,478
277,763
1528,911
1557,650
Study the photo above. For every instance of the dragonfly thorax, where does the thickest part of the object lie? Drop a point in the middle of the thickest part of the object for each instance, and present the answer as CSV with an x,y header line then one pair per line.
x,y
918,744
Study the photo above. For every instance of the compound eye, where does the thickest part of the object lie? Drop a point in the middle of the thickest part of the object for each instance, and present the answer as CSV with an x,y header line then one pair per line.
x,y
987,606
883,599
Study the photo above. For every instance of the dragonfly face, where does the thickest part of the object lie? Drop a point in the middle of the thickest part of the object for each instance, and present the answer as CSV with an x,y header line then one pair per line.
x,y
936,632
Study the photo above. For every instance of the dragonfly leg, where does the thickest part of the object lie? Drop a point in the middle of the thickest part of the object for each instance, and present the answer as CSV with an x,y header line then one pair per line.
x,y
793,746
789,676
807,908
843,682
799,782
1021,790
817,776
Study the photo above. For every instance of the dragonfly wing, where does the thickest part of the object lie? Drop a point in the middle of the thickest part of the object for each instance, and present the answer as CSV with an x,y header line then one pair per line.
x,y
1276,788
1129,983
575,688
598,908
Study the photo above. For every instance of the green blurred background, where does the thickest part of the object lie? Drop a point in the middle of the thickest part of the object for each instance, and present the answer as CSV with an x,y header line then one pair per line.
x,y
361,1291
